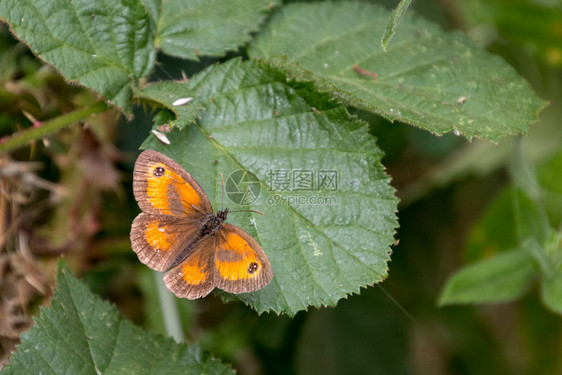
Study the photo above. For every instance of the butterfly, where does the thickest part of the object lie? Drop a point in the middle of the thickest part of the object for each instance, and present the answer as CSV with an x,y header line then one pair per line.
x,y
178,232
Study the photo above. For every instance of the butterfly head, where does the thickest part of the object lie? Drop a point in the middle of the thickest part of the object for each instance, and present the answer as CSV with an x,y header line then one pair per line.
x,y
222,214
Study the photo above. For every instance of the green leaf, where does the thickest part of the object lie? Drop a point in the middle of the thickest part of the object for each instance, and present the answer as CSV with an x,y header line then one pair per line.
x,y
551,277
395,18
549,175
551,293
540,257
106,48
512,218
81,334
531,218
495,231
190,29
165,94
501,278
436,80
323,243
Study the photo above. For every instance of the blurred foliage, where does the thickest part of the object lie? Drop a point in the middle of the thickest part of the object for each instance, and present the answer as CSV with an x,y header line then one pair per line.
x,y
92,337
457,209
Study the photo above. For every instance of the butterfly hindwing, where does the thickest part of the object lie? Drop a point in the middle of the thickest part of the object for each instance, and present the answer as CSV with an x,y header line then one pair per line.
x,y
195,276
159,239
241,264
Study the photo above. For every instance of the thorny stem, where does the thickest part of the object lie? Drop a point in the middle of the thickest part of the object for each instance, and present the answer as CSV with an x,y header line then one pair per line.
x,y
48,127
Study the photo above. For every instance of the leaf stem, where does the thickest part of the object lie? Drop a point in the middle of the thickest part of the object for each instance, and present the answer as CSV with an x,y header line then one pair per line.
x,y
523,171
48,127
170,311
394,19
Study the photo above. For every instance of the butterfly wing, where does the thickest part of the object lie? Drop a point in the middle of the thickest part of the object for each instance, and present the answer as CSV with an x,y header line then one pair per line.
x,y
195,276
174,211
162,187
159,239
240,263
237,265
174,205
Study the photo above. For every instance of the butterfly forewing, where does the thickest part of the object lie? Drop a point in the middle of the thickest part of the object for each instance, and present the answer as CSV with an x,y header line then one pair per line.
x,y
162,187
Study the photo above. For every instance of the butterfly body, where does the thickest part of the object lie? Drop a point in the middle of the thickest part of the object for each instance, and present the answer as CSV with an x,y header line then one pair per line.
x,y
179,233
210,225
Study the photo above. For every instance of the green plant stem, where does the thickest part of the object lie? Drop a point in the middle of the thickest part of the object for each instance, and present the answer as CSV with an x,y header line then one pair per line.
x,y
394,19
169,309
522,170
48,127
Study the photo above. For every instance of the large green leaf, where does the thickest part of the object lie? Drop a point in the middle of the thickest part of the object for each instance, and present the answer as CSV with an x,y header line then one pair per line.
x,y
501,278
103,47
81,334
436,80
324,242
206,27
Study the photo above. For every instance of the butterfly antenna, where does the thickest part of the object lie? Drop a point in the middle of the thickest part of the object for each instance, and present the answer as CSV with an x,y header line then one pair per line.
x,y
257,212
222,191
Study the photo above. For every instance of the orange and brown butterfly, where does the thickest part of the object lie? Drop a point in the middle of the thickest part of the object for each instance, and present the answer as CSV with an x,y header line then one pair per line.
x,y
179,233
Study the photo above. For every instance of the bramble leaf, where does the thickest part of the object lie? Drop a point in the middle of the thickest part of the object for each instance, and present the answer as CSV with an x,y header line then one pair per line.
x,y
190,29
81,334
439,81
105,48
329,209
